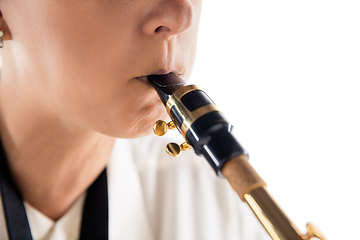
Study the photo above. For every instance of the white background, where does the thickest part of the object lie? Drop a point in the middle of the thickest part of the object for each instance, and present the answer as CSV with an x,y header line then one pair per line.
x,y
287,75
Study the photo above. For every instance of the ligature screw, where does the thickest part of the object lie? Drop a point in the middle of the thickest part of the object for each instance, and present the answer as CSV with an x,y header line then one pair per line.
x,y
161,127
313,231
174,149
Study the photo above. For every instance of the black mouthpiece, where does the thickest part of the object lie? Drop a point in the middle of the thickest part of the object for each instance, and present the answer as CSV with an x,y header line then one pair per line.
x,y
166,85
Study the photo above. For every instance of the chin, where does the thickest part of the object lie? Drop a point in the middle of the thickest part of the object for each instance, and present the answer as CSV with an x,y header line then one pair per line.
x,y
136,132
126,132
145,127
138,124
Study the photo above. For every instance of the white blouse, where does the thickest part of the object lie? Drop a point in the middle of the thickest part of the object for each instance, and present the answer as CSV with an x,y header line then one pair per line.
x,y
153,196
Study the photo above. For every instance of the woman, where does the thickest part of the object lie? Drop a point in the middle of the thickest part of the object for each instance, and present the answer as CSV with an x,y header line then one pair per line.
x,y
73,79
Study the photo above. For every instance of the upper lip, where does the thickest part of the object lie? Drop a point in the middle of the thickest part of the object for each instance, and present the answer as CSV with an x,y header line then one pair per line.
x,y
164,71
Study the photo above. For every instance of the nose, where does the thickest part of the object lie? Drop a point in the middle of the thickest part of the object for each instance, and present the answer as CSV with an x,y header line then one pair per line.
x,y
169,18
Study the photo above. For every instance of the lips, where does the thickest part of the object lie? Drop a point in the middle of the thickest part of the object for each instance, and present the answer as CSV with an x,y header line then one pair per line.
x,y
173,77
142,79
166,84
166,80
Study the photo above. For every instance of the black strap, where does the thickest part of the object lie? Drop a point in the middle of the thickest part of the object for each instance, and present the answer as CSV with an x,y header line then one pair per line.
x,y
16,219
95,219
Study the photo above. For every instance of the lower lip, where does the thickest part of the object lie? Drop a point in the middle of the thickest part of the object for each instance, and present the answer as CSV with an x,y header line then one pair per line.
x,y
143,79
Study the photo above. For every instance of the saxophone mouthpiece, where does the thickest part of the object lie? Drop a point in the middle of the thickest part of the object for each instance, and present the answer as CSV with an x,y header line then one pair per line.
x,y
166,85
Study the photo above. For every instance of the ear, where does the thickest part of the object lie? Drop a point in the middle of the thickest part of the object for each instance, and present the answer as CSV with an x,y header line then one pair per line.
x,y
5,28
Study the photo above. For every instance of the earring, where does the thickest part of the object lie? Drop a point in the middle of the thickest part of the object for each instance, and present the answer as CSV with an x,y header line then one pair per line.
x,y
1,38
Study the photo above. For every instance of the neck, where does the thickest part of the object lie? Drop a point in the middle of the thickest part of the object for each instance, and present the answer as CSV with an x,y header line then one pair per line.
x,y
54,168
52,161
52,175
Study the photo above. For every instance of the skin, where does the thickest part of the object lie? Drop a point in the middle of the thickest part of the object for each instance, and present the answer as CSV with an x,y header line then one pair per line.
x,y
71,81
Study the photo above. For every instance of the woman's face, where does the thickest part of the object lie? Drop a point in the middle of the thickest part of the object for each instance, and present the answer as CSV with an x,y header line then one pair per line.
x,y
89,56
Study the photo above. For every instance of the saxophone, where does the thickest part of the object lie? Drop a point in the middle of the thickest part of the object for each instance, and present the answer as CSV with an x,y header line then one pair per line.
x,y
208,133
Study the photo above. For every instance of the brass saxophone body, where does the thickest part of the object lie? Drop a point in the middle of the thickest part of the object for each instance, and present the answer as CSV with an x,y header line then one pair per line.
x,y
208,133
